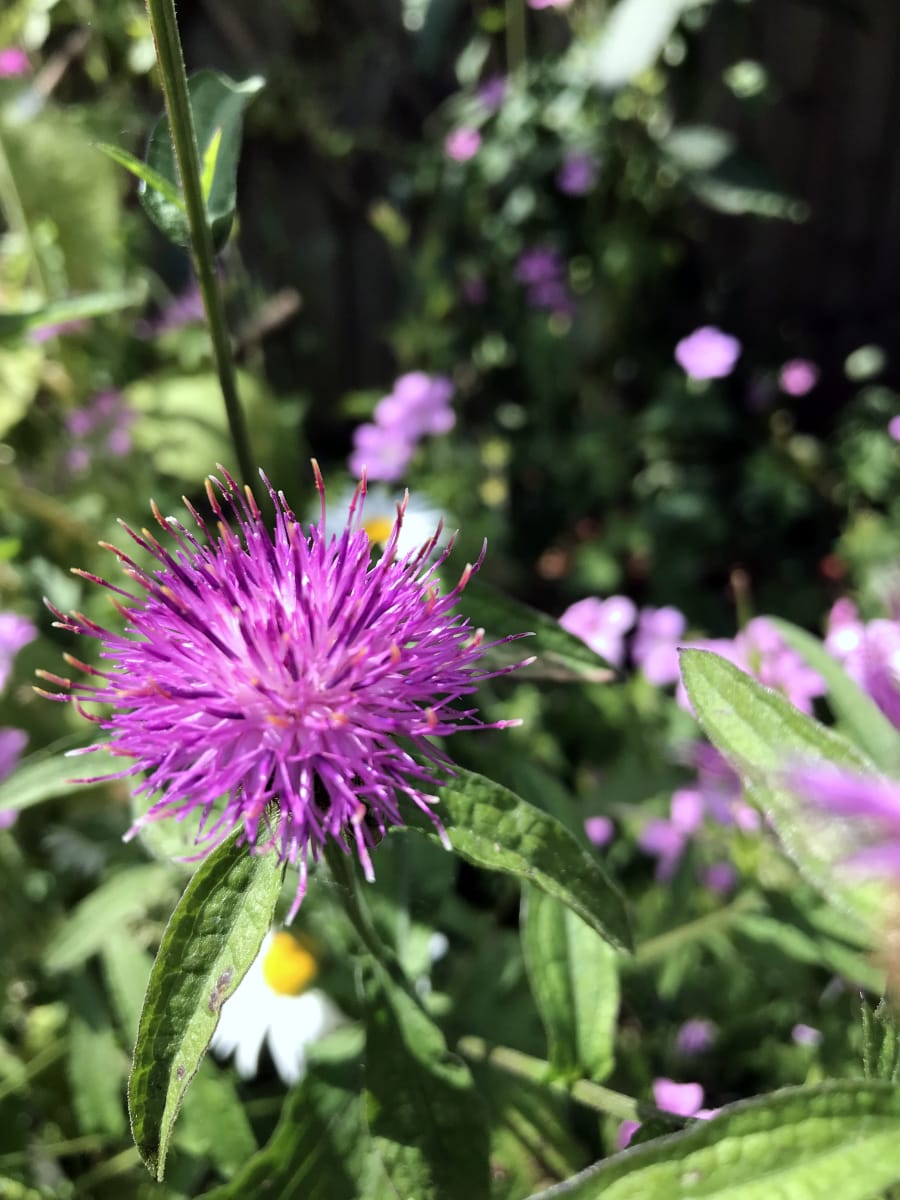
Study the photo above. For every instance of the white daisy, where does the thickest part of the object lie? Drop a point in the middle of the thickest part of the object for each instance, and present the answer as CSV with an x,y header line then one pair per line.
x,y
419,521
275,1003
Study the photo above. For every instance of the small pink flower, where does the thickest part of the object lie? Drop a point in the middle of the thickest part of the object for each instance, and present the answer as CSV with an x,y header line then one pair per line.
x,y
708,353
600,830
894,428
806,1035
13,61
549,3
462,144
577,174
602,624
798,377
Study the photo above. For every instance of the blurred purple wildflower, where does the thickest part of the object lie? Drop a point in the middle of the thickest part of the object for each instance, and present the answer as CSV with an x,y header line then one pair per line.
x,y
655,648
871,800
538,4
44,333
462,144
15,633
101,428
183,309
577,174
383,453
602,625
695,1037
473,290
284,667
13,62
707,353
419,404
806,1035
492,92
894,428
720,878
666,840
798,377
541,271
600,830
681,1099
869,651
760,650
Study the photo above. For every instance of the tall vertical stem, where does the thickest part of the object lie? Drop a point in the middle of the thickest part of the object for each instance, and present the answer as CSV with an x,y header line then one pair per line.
x,y
164,27
515,35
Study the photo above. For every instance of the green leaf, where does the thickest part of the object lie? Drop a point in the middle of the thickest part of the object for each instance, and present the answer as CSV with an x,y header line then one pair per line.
x,y
762,735
145,173
20,377
881,1041
73,308
491,827
117,901
858,712
560,655
428,1126
214,1124
97,1064
49,774
319,1145
836,1139
217,104
575,983
213,936
126,967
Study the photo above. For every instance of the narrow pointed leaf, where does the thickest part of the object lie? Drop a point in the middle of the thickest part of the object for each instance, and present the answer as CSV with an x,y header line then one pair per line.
x,y
860,715
835,1139
762,735
427,1123
491,827
560,655
49,774
212,938
144,172
575,982
74,308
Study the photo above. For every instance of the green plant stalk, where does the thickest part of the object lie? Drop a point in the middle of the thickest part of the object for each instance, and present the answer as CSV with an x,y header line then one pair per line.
x,y
515,35
164,28
537,1070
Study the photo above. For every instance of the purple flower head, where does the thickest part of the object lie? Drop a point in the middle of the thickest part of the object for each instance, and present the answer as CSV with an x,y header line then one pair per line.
x,y
418,405
600,830
707,353
894,428
538,4
492,93
577,175
655,649
101,428
282,667
384,454
665,840
15,633
682,1099
806,1035
798,377
720,878
602,625
462,144
695,1037
13,62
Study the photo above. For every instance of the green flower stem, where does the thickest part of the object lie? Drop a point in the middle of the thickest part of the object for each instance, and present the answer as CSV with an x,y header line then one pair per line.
x,y
515,35
525,1066
164,27
659,947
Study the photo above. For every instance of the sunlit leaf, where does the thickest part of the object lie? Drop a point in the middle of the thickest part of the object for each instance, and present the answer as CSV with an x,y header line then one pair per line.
x,y
213,936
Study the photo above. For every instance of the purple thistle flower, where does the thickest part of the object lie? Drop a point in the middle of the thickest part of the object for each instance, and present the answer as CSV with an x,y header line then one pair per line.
x,y
282,667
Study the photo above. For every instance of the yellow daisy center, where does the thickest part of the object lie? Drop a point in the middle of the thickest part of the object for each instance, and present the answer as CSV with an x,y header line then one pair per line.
x,y
379,528
288,967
